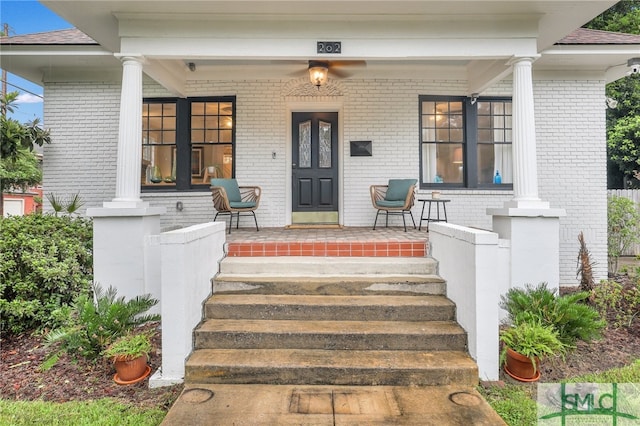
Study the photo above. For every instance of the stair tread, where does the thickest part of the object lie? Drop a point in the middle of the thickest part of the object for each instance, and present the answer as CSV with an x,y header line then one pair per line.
x,y
330,300
306,358
331,327
286,276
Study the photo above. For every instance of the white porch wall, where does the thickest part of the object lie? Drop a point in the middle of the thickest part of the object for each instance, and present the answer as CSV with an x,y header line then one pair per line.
x,y
83,118
572,166
571,157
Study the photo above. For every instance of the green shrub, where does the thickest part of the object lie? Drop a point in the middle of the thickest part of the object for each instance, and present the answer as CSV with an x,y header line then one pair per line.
x,y
618,303
623,228
572,319
95,324
45,261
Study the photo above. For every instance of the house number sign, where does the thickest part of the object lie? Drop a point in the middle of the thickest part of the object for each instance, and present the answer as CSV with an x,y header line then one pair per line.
x,y
329,47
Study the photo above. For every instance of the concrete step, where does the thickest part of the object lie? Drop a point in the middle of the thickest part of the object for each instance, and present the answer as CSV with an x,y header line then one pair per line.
x,y
331,367
344,285
216,404
309,266
338,335
331,307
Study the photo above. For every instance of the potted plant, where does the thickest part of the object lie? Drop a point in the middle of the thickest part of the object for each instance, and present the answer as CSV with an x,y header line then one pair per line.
x,y
130,355
524,345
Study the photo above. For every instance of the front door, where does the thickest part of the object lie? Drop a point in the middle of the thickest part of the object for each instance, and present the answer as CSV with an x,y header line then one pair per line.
x,y
315,167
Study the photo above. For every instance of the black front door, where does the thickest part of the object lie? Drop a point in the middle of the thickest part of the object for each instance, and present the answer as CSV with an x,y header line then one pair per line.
x,y
315,167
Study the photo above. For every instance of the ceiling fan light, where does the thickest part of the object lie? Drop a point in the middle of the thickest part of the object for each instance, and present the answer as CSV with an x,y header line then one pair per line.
x,y
318,73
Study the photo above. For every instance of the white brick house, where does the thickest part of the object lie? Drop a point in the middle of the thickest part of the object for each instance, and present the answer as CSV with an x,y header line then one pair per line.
x,y
256,54
446,92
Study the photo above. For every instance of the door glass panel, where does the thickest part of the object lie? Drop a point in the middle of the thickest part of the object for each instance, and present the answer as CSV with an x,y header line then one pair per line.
x,y
325,145
304,144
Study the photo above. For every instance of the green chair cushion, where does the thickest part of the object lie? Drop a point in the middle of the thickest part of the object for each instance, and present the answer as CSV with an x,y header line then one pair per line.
x,y
231,188
242,204
398,189
386,203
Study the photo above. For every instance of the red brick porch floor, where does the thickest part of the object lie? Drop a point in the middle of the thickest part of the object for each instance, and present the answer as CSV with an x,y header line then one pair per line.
x,y
333,242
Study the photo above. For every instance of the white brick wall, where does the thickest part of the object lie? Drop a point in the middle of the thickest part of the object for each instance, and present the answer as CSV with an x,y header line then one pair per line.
x,y
570,137
83,118
572,170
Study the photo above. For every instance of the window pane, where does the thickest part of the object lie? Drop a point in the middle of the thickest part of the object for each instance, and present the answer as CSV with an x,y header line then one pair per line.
x,y
324,160
211,136
158,165
226,108
211,108
197,136
155,137
217,162
226,122
197,122
428,107
442,108
456,122
169,137
442,163
484,108
155,110
494,159
155,123
507,108
484,122
226,136
304,144
197,108
484,136
442,135
429,135
457,135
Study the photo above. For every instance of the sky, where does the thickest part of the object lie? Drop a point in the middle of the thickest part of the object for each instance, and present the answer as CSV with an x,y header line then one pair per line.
x,y
27,17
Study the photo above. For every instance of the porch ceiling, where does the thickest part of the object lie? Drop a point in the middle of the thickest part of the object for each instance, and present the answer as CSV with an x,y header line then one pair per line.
x,y
554,18
454,39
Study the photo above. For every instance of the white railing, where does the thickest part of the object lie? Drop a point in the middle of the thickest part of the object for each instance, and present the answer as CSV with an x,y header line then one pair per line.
x,y
475,264
188,262
634,195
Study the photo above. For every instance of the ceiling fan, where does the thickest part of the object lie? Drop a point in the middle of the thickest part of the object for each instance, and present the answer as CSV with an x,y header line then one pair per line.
x,y
319,70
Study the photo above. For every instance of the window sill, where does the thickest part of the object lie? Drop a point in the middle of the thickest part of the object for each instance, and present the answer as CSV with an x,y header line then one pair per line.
x,y
174,193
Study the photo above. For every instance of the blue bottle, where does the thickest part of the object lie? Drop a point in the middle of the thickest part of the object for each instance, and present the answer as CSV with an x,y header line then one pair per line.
x,y
497,178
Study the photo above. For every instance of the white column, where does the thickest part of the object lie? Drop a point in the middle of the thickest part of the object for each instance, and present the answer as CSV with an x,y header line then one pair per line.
x,y
129,136
529,224
122,257
525,169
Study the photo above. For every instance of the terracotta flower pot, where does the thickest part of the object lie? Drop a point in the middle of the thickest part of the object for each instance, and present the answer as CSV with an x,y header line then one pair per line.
x,y
521,368
130,370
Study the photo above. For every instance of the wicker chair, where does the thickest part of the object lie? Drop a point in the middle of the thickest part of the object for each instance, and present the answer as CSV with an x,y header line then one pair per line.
x,y
234,200
397,197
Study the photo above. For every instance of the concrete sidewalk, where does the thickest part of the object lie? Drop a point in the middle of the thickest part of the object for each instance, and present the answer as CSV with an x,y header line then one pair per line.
x,y
201,405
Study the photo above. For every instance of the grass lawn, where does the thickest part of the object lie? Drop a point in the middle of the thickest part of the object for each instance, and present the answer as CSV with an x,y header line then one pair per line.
x,y
94,413
516,403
